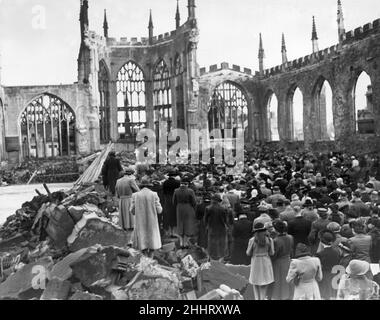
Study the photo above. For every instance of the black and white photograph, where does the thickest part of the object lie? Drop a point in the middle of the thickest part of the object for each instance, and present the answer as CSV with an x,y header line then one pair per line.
x,y
207,152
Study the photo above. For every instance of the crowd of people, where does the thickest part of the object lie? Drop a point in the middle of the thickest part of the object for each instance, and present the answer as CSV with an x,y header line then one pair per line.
x,y
307,225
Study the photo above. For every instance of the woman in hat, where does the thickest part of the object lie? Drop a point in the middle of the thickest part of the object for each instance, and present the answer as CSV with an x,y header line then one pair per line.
x,y
125,187
200,215
304,272
170,212
355,285
329,257
260,248
111,172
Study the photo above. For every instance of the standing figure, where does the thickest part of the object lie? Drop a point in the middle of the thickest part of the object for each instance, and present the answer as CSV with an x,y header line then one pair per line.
x,y
329,257
125,187
146,207
305,271
169,210
260,248
200,215
111,172
283,250
185,202
216,224
241,233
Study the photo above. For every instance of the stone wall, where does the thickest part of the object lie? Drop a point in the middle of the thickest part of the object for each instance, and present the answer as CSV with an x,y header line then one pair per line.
x,y
76,96
3,155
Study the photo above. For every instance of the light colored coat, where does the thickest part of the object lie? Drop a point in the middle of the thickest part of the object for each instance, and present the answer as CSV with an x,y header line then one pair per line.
x,y
310,271
146,206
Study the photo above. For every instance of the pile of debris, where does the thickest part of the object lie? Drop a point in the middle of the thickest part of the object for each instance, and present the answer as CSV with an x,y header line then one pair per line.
x,y
41,171
65,245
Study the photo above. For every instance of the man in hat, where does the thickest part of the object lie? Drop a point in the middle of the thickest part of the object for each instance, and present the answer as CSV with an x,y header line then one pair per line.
x,y
299,228
111,172
276,197
185,202
169,210
146,207
241,233
308,211
216,224
316,227
358,206
329,257
125,187
200,212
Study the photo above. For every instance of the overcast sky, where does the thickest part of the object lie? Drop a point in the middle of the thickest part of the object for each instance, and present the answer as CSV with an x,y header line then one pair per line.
x,y
229,31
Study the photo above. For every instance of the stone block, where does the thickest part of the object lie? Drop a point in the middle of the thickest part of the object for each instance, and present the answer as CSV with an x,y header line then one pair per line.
x,y
94,267
98,231
56,289
85,296
60,226
154,289
28,282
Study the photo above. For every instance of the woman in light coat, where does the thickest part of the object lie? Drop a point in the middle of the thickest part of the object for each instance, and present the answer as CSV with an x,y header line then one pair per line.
x,y
304,272
260,248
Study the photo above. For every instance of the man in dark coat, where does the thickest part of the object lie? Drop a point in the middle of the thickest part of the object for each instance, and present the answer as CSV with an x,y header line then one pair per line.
x,y
300,229
169,213
111,172
200,215
184,201
242,231
216,224
329,257
318,226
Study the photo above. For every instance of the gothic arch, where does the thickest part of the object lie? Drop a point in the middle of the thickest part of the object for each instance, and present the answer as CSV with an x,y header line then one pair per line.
x,y
323,110
47,127
272,112
228,107
295,113
131,101
362,108
162,96
104,102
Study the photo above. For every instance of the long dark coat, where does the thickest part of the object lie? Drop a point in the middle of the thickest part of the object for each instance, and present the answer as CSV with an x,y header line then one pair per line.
x,y
241,233
169,213
200,215
216,223
111,172
329,257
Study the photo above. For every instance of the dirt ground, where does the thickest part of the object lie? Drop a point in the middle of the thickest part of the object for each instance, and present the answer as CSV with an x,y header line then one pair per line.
x,y
12,197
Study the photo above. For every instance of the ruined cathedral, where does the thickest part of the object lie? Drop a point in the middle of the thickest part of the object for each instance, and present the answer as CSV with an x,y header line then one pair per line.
x,y
128,84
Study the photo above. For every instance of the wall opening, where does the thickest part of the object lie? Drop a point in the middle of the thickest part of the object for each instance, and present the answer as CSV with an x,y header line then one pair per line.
x,y
104,107
272,108
162,97
131,102
324,110
228,108
363,105
47,128
295,103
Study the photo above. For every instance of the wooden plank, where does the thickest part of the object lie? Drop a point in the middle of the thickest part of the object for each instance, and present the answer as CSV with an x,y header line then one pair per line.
x,y
32,177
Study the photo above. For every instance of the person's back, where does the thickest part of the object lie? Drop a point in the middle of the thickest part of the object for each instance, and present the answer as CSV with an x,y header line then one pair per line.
x,y
126,186
184,195
299,228
375,248
360,245
216,219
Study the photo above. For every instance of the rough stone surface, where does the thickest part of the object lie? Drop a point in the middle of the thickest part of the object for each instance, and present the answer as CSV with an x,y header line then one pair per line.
x,y
85,296
20,284
60,226
154,289
100,232
56,290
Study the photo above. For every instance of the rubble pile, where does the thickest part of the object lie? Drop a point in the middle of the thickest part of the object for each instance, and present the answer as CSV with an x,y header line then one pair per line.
x,y
65,246
47,171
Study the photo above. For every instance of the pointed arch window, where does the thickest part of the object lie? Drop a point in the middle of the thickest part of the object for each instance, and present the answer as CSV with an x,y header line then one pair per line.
x,y
162,95
131,101
228,108
47,128
104,107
